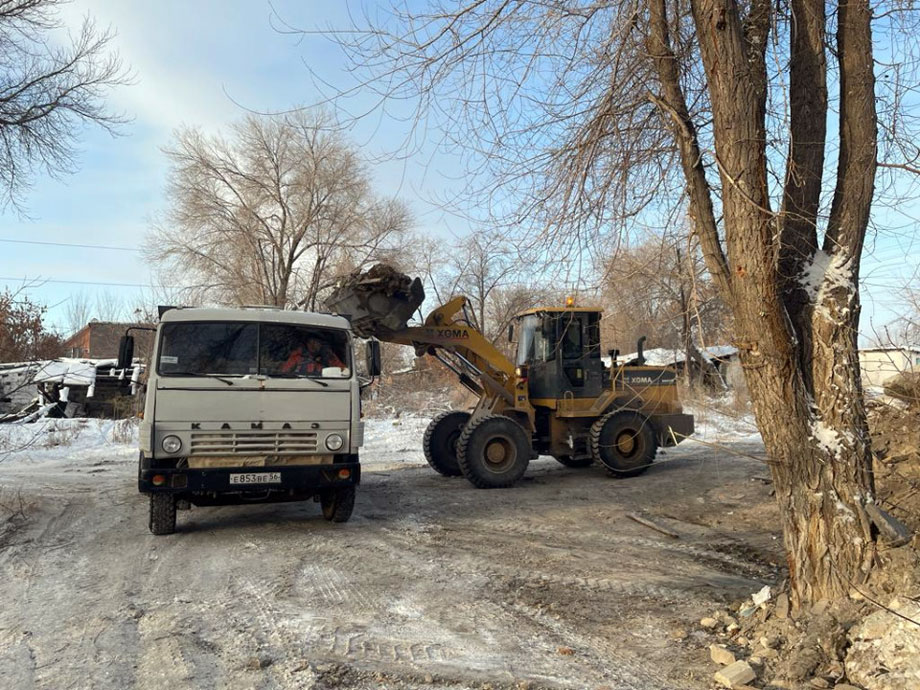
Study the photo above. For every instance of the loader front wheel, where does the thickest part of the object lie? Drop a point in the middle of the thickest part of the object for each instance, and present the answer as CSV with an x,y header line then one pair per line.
x,y
493,452
624,442
440,442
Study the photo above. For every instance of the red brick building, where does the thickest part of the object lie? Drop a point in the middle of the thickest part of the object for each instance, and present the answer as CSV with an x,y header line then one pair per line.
x,y
99,340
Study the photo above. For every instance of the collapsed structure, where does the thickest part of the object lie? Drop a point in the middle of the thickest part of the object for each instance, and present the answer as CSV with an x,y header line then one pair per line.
x,y
66,387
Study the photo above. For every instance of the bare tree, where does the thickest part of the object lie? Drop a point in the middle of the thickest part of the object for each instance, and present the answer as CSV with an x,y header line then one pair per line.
x,y
78,312
110,306
48,91
486,269
24,336
658,288
273,215
480,264
591,113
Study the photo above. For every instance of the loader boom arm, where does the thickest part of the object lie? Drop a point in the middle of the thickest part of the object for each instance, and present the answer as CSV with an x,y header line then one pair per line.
x,y
450,337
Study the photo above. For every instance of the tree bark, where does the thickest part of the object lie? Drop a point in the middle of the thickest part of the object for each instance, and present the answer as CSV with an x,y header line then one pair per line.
x,y
818,446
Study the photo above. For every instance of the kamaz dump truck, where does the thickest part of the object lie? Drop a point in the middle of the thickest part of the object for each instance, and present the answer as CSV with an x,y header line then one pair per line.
x,y
250,406
558,397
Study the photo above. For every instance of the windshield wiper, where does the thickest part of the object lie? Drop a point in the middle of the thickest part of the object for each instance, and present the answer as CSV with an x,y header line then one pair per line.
x,y
300,378
200,375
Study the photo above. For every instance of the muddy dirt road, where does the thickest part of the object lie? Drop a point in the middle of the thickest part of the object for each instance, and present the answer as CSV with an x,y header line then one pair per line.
x,y
433,584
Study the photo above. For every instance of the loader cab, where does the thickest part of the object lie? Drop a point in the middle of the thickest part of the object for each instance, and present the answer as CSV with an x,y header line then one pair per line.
x,y
561,350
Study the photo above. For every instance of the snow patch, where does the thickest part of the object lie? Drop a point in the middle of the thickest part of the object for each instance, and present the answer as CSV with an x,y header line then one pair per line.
x,y
827,272
827,438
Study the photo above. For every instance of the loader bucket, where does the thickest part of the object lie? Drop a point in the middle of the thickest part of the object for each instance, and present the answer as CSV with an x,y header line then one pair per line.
x,y
378,302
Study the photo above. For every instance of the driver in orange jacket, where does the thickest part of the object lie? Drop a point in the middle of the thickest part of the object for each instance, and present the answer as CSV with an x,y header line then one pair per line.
x,y
311,358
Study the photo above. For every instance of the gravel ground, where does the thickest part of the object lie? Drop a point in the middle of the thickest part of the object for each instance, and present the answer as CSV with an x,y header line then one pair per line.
x,y
432,584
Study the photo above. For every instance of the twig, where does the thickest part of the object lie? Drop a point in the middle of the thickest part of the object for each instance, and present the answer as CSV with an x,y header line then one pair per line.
x,y
717,446
651,525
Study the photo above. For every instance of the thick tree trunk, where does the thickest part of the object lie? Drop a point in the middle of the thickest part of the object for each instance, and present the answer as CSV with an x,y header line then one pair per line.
x,y
821,479
799,358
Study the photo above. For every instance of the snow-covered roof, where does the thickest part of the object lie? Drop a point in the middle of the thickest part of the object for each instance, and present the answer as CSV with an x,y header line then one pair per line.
x,y
71,372
892,348
66,370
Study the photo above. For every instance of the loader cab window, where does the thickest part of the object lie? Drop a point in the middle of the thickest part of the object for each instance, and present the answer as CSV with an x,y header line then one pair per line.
x,y
593,335
536,339
571,340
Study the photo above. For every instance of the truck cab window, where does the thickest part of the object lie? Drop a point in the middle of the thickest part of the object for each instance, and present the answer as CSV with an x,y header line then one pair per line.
x,y
294,351
227,349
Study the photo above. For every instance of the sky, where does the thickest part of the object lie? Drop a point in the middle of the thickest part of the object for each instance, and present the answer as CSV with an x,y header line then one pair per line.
x,y
204,63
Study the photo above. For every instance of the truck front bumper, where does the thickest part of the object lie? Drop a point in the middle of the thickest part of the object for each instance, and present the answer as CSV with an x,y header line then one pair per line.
x,y
294,480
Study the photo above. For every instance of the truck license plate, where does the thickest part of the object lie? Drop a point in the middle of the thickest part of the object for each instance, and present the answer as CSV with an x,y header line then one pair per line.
x,y
256,478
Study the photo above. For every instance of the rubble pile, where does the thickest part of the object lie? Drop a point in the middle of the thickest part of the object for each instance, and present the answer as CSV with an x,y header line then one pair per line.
x,y
895,428
849,645
905,387
884,652
378,301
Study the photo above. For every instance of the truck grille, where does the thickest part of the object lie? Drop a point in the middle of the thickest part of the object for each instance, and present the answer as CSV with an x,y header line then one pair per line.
x,y
252,442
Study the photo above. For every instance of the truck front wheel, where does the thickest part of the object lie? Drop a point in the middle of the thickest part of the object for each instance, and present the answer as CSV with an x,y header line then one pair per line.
x,y
338,503
162,514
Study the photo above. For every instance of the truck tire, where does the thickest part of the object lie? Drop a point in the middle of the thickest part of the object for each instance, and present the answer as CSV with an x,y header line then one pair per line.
x,y
440,442
162,513
569,461
338,504
493,452
624,442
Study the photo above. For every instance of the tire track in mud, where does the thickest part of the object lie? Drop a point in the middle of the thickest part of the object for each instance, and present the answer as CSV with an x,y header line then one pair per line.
x,y
612,662
568,537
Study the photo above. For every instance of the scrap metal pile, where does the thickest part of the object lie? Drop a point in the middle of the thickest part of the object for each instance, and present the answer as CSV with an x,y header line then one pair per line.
x,y
378,301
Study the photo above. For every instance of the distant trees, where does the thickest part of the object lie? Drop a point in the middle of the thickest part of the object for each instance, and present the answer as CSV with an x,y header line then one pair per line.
x,y
272,214
23,335
658,287
48,90
487,269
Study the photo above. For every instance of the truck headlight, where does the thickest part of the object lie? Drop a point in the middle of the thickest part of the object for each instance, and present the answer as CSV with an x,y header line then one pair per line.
x,y
334,442
171,444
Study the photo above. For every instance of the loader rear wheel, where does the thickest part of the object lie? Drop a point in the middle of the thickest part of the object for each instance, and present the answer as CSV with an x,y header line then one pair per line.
x,y
569,461
162,514
624,442
440,442
493,452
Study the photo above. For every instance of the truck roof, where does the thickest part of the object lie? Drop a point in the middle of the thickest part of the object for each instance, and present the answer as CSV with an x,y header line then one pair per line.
x,y
255,314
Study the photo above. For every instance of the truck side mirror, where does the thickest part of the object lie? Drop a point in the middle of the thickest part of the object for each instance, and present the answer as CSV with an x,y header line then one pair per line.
x,y
126,352
510,332
372,358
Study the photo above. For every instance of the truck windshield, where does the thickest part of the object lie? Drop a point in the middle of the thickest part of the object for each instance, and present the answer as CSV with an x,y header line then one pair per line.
x,y
248,348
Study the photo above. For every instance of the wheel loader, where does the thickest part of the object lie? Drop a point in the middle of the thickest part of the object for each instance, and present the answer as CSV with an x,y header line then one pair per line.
x,y
558,397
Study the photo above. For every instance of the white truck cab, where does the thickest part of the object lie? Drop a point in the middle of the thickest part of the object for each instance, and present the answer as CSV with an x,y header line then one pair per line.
x,y
250,405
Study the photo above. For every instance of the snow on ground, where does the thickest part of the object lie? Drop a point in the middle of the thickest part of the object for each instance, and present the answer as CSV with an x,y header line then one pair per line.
x,y
67,440
431,578
718,424
388,442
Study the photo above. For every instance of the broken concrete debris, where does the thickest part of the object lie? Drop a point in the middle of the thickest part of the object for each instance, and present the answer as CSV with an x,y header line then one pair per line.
x,y
735,675
721,655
